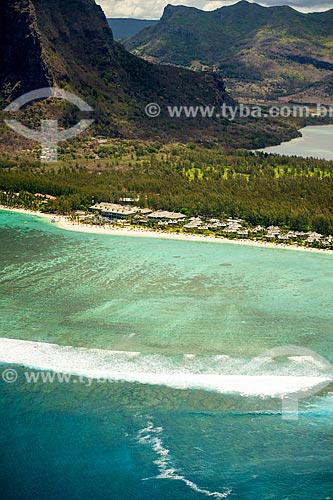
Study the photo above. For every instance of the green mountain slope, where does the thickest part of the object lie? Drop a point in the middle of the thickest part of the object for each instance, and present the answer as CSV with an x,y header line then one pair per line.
x,y
261,51
69,43
126,27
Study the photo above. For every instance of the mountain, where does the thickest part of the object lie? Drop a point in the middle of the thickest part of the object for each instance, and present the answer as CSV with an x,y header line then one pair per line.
x,y
69,43
262,52
123,28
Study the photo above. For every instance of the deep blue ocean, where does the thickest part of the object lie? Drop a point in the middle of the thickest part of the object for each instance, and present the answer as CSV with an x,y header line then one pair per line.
x,y
155,327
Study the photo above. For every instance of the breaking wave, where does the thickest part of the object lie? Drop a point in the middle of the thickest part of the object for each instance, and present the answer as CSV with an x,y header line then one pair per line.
x,y
213,373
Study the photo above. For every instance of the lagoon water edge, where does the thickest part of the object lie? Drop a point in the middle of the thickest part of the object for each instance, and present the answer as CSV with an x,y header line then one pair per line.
x,y
159,308
316,142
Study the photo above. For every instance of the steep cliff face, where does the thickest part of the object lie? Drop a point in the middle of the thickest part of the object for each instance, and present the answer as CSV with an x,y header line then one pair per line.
x,y
69,43
22,64
75,37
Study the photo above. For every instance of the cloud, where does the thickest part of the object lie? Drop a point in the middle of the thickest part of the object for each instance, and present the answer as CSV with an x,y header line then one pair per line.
x,y
153,9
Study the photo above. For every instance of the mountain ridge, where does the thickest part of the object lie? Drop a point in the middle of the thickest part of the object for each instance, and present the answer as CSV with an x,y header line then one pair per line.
x,y
260,51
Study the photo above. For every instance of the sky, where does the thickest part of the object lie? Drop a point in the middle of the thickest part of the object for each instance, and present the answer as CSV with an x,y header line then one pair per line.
x,y
153,9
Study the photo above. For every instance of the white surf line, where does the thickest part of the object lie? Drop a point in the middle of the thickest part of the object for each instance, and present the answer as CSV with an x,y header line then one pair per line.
x,y
146,369
152,436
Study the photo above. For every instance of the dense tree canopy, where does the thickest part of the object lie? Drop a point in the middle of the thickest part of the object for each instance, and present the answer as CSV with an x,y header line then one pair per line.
x,y
197,180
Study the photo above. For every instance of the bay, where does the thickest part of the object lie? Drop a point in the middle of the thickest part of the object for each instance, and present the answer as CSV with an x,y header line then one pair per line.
x,y
316,142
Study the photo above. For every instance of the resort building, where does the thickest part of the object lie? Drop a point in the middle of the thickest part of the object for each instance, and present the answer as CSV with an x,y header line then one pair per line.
x,y
115,211
195,223
129,200
164,215
313,237
233,227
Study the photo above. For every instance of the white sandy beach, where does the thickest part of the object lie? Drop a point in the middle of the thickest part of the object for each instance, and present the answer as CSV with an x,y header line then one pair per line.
x,y
67,224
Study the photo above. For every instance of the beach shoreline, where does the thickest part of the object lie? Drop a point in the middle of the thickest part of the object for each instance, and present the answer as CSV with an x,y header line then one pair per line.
x,y
65,223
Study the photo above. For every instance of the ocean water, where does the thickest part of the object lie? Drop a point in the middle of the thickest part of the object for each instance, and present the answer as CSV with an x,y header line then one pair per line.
x,y
175,381
316,142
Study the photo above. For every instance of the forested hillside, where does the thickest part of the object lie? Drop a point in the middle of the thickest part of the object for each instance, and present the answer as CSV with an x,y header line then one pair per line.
x,y
195,180
262,52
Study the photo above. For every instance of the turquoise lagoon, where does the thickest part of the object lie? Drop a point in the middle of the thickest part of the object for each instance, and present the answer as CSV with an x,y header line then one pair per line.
x,y
166,400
